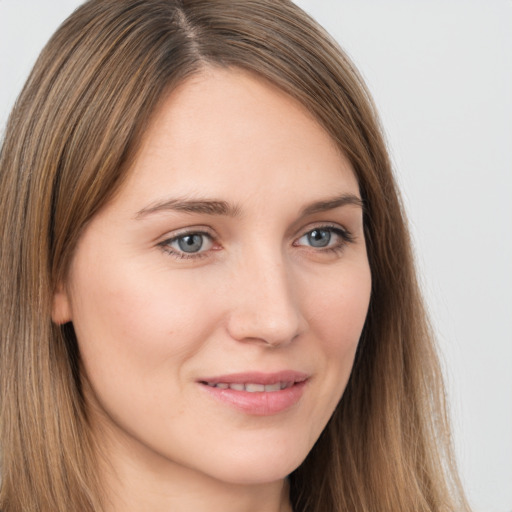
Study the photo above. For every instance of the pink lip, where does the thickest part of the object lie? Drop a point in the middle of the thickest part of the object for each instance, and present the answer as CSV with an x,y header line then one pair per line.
x,y
260,403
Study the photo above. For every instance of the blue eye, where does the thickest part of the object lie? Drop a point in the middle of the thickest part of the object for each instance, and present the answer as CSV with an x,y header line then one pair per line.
x,y
188,244
326,238
319,237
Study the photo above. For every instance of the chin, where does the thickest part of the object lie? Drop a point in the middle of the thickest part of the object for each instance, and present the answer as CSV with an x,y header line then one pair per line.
x,y
259,467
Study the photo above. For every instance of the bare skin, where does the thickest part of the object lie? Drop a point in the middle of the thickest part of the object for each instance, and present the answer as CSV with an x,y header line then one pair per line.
x,y
233,257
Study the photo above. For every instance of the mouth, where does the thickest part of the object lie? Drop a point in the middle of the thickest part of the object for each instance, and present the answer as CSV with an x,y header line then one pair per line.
x,y
259,394
251,387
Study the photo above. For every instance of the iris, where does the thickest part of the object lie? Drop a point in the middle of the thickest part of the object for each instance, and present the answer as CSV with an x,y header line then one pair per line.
x,y
190,243
319,238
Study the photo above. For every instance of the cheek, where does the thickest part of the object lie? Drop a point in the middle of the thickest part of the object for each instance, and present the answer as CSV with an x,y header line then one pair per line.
x,y
338,309
135,307
138,334
339,315
135,325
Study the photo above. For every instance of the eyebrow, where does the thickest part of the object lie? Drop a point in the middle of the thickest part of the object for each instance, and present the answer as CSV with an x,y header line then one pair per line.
x,y
223,208
205,206
332,203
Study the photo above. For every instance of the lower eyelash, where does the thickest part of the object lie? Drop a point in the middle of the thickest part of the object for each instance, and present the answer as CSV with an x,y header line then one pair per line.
x,y
344,233
165,246
346,238
183,255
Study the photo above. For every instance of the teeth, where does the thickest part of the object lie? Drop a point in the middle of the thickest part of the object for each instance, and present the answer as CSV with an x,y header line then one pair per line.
x,y
251,387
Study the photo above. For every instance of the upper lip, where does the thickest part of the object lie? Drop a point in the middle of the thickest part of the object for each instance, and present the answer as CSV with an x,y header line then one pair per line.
x,y
257,377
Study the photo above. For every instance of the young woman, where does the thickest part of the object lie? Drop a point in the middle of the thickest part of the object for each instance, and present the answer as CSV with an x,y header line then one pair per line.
x,y
208,298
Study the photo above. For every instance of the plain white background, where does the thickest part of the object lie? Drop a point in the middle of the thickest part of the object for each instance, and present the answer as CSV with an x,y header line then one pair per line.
x,y
441,75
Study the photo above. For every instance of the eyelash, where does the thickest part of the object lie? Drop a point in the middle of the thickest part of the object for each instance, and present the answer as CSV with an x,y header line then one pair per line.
x,y
344,235
345,238
180,255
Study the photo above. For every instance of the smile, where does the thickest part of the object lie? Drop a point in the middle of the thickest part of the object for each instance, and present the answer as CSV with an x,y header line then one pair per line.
x,y
252,387
258,394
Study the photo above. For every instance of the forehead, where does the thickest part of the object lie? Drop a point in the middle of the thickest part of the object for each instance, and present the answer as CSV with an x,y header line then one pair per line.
x,y
231,133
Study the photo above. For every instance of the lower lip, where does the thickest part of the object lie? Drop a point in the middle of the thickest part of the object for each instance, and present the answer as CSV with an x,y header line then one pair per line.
x,y
260,403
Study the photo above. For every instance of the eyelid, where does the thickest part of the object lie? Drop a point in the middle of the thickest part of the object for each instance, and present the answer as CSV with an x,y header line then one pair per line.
x,y
170,238
188,230
332,226
346,236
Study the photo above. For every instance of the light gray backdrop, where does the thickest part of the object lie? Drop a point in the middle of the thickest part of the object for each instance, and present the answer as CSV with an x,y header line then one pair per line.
x,y
441,75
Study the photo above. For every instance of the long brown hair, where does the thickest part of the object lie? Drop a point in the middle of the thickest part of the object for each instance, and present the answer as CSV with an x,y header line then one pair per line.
x,y
69,142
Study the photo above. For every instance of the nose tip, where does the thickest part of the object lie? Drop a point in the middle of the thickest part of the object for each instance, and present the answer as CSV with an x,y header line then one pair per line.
x,y
258,326
265,309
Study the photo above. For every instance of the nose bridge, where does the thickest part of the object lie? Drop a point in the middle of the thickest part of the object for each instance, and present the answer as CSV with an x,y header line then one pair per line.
x,y
264,305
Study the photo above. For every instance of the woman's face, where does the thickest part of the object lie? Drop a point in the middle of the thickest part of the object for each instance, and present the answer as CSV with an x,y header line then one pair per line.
x,y
218,299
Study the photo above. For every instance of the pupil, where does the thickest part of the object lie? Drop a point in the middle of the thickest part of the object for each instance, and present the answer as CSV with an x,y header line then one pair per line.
x,y
190,243
319,237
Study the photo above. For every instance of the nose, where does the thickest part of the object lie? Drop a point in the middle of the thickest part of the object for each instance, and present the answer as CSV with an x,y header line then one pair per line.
x,y
265,305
